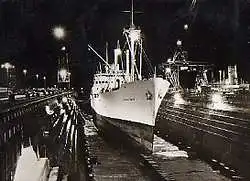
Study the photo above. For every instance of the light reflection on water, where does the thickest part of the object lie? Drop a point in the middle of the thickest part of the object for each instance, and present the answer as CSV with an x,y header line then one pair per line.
x,y
218,102
178,99
213,101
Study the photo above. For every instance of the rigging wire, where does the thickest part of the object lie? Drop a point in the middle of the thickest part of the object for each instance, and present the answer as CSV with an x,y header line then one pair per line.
x,y
147,60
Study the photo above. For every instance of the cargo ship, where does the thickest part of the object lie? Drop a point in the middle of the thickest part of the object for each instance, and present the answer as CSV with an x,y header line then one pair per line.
x,y
125,103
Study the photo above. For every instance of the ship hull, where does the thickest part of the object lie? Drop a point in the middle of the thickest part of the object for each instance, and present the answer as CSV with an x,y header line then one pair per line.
x,y
130,134
129,113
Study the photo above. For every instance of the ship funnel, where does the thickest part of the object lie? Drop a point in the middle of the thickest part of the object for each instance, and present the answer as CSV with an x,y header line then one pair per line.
x,y
117,54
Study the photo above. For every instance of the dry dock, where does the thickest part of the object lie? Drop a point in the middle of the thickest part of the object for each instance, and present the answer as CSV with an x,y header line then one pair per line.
x,y
167,162
106,162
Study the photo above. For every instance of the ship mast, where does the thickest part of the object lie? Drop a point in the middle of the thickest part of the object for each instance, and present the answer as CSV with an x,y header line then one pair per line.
x,y
133,37
132,13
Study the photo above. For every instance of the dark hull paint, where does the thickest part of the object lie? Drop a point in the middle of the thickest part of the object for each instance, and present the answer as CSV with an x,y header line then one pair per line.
x,y
131,134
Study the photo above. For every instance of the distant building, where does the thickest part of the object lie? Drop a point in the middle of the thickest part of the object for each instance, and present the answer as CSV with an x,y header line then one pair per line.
x,y
232,75
63,74
7,79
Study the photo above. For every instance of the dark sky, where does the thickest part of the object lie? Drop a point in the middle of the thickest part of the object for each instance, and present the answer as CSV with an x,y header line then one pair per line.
x,y
219,31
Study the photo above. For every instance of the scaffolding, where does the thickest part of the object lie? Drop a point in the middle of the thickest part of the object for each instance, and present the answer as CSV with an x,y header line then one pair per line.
x,y
174,65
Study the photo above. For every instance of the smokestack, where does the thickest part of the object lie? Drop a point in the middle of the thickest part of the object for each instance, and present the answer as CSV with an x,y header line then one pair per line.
x,y
117,54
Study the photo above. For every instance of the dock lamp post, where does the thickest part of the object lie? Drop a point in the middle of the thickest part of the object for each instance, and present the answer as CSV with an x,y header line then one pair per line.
x,y
186,27
37,82
44,81
7,66
66,64
25,79
25,72
59,33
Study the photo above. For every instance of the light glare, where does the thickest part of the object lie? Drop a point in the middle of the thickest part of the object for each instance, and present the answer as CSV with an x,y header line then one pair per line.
x,y
168,70
218,102
48,110
7,65
25,71
64,99
178,99
185,27
59,32
179,42
63,73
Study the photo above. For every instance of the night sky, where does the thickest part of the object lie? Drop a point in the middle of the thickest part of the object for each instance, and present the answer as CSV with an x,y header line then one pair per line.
x,y
219,32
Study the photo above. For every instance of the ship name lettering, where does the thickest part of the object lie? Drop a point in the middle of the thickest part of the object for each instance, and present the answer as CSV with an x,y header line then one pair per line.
x,y
129,99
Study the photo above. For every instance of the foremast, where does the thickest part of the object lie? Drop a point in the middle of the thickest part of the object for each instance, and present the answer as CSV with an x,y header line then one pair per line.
x,y
134,41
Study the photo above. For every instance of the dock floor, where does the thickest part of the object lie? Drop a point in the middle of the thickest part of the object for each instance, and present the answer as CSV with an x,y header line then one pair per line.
x,y
175,164
167,160
110,163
